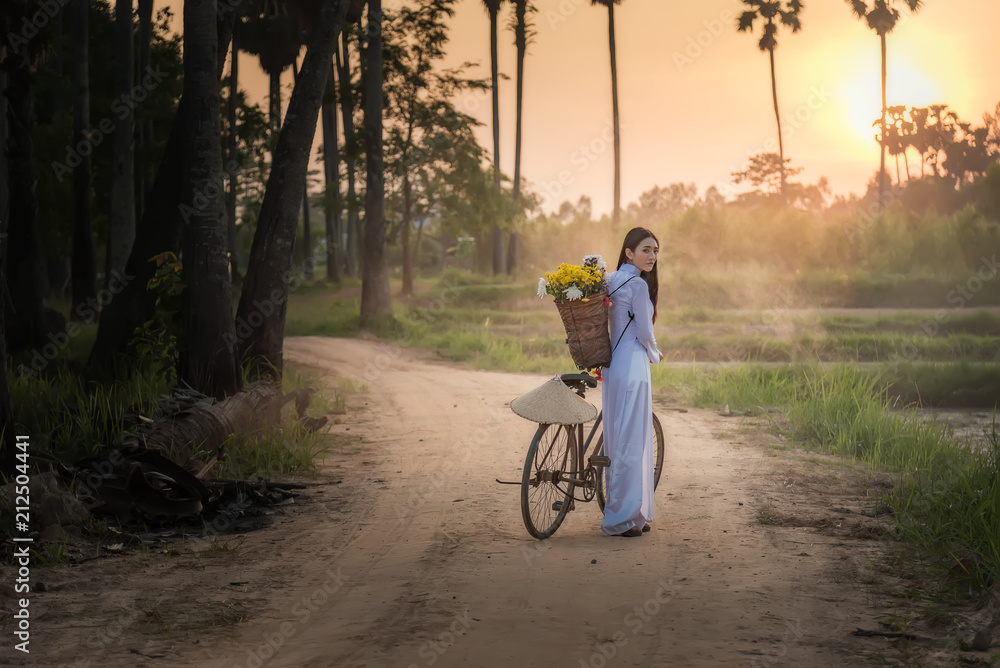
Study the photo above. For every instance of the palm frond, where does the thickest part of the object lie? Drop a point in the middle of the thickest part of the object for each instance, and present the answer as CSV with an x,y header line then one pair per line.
x,y
606,3
768,41
859,8
746,21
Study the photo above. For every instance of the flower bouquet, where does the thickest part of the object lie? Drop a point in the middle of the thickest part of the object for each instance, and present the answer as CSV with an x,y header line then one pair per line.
x,y
581,295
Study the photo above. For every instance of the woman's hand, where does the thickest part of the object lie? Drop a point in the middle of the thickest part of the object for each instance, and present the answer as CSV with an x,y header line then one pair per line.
x,y
661,355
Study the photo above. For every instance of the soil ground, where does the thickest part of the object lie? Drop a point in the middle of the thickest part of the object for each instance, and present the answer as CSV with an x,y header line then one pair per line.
x,y
403,551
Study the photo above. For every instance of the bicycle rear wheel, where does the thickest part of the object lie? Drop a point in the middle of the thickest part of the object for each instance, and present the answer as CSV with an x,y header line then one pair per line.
x,y
545,496
658,450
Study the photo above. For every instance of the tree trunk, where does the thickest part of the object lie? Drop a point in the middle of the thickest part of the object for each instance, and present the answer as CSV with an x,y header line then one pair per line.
x,y
24,322
331,169
210,364
160,230
308,261
232,166
498,249
84,268
144,137
521,38
121,226
274,112
617,215
375,298
906,163
8,442
777,118
206,424
347,108
407,224
261,313
881,169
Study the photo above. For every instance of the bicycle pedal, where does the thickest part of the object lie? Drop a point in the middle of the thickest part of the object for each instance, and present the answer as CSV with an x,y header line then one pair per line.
x,y
557,505
600,460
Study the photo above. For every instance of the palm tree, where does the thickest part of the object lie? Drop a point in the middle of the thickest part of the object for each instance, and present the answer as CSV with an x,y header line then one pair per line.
x,y
159,228
121,227
493,7
769,12
232,154
610,4
209,362
331,171
375,299
343,63
523,33
83,269
144,136
263,301
882,18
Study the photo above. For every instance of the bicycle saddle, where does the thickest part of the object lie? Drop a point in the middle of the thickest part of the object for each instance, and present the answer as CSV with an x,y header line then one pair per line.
x,y
570,378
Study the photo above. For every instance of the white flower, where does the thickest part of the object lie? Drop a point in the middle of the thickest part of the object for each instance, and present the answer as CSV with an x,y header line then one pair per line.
x,y
573,293
542,285
595,259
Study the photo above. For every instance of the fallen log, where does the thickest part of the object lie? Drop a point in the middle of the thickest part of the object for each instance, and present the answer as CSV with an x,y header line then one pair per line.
x,y
158,470
206,424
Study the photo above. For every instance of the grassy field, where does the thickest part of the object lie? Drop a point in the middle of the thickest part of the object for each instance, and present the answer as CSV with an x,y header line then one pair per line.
x,y
852,382
844,381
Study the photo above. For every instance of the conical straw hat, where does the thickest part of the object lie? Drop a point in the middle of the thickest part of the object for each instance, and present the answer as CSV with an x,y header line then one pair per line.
x,y
553,403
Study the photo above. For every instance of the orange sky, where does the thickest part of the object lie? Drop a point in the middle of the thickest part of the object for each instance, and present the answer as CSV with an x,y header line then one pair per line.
x,y
695,94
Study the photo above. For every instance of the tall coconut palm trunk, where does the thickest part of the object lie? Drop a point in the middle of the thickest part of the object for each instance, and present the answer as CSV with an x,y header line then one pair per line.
x,y
331,168
121,229
777,118
308,261
375,298
617,215
260,317
7,430
347,109
498,249
210,365
159,228
83,269
24,322
274,102
144,135
232,164
521,41
881,168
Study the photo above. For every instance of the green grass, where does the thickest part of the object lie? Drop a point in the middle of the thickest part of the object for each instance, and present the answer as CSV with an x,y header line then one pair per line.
x,y
947,499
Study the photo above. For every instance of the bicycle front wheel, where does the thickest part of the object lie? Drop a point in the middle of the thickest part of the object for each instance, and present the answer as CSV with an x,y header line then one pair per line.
x,y
659,446
545,496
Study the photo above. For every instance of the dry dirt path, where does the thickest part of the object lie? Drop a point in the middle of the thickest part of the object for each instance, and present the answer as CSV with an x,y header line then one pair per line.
x,y
418,558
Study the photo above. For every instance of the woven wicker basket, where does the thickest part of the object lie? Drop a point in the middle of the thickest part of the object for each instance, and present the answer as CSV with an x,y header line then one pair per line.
x,y
586,324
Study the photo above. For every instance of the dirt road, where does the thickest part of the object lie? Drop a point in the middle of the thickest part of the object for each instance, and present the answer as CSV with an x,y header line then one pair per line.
x,y
416,557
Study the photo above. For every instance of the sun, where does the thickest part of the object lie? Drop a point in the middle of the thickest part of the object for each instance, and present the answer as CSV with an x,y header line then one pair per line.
x,y
905,85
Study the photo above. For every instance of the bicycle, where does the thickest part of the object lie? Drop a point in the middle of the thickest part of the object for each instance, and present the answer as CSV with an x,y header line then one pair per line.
x,y
554,458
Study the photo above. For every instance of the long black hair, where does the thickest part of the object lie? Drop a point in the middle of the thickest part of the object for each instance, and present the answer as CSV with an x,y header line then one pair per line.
x,y
635,237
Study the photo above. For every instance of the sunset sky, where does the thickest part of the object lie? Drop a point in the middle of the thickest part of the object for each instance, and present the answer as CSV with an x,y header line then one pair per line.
x,y
695,94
